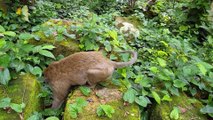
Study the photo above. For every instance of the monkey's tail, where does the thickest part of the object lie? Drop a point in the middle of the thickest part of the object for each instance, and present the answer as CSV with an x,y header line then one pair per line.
x,y
124,64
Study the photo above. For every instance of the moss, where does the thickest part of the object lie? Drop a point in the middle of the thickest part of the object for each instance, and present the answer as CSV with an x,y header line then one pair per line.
x,y
24,89
189,109
111,96
64,47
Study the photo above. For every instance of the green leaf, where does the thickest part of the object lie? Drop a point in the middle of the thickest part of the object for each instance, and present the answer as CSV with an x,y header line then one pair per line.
x,y
179,83
207,109
5,76
107,46
37,71
52,118
2,29
166,98
202,68
154,69
85,90
105,110
81,102
113,34
175,113
46,53
2,43
10,33
142,101
48,47
129,95
162,62
18,65
17,107
25,13
25,36
156,97
4,60
5,102
35,116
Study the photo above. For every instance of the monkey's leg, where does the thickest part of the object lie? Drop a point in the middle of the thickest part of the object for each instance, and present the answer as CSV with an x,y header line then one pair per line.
x,y
96,75
59,95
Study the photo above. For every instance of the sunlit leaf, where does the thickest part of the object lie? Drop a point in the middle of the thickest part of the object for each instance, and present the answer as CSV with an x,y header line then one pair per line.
x,y
162,62
2,29
25,13
46,53
10,33
5,102
130,95
175,113
5,76
25,36
142,101
156,97
85,90
167,98
105,110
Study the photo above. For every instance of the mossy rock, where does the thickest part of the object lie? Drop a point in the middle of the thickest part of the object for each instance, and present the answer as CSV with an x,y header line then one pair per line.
x,y
66,46
110,96
24,89
189,109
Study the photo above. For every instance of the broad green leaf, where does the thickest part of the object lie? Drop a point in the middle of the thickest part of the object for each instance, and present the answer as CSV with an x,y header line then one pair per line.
x,y
4,60
142,101
179,83
2,29
35,116
25,13
17,107
10,33
52,118
107,46
130,95
73,110
46,53
202,68
166,98
113,34
162,62
154,69
18,65
175,113
105,110
156,97
5,76
49,47
2,43
59,37
81,102
207,109
5,102
85,90
37,71
25,36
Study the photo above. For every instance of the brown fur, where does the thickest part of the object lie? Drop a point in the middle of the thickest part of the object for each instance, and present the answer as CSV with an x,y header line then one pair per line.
x,y
79,69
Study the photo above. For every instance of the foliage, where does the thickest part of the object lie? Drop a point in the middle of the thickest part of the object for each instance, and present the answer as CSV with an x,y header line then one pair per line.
x,y
6,103
77,107
85,90
105,110
175,113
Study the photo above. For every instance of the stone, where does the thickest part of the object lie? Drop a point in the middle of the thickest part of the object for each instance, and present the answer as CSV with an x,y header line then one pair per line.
x,y
108,95
66,46
23,89
189,109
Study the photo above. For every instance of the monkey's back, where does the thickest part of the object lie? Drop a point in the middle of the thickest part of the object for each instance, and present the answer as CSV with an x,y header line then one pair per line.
x,y
74,67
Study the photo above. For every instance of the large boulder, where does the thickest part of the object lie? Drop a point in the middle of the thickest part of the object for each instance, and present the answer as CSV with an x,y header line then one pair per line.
x,y
24,89
110,96
189,109
53,32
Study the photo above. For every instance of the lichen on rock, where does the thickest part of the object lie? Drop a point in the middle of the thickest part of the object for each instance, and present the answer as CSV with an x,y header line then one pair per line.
x,y
23,89
189,109
110,96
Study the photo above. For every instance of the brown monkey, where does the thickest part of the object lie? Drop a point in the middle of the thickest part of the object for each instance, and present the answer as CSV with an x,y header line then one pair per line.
x,y
78,69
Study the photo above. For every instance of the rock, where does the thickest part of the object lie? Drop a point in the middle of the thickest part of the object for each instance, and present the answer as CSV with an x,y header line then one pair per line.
x,y
109,96
66,46
189,109
24,89
127,27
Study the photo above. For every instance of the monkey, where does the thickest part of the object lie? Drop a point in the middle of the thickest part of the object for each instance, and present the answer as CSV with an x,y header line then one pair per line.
x,y
79,69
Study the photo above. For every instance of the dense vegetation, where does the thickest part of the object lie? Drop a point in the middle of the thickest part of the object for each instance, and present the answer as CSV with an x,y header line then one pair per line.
x,y
175,44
